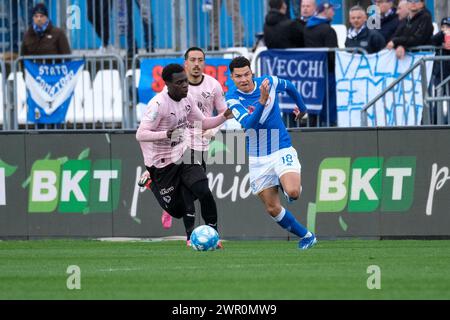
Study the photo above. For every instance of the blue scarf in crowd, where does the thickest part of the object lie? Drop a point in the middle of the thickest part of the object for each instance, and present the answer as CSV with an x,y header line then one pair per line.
x,y
40,30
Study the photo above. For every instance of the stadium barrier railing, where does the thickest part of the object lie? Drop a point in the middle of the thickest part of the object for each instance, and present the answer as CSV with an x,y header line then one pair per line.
x,y
433,92
437,96
4,117
98,98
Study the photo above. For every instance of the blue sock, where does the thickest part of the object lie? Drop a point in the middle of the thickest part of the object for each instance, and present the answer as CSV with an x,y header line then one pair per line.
x,y
287,221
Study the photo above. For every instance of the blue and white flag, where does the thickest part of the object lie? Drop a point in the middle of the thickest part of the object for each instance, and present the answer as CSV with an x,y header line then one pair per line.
x,y
360,78
50,89
307,70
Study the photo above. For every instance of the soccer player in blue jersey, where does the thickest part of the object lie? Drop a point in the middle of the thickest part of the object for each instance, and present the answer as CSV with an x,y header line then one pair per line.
x,y
273,162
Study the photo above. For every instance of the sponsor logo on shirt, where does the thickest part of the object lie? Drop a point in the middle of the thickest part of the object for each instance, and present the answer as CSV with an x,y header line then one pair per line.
x,y
166,191
201,107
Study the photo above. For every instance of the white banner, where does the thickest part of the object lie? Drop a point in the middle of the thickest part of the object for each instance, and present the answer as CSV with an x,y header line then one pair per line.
x,y
360,78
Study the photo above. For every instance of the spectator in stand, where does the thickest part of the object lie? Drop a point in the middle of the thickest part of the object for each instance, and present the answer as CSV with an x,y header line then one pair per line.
x,y
308,9
415,30
98,13
42,38
360,36
147,27
20,12
233,9
402,10
441,70
389,18
319,34
280,32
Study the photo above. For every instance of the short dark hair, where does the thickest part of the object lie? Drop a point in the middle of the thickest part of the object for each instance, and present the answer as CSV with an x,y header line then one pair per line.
x,y
186,55
276,4
170,69
239,62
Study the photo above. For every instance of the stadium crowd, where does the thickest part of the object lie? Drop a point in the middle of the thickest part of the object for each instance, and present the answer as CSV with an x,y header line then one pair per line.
x,y
395,26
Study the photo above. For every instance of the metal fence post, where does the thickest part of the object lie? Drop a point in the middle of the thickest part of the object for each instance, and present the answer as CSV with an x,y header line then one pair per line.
x,y
426,109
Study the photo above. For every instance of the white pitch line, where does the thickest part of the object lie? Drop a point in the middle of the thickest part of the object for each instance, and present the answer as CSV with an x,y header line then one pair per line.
x,y
119,269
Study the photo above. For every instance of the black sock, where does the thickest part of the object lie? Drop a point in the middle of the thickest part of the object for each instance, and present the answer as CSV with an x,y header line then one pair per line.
x,y
189,224
207,202
189,214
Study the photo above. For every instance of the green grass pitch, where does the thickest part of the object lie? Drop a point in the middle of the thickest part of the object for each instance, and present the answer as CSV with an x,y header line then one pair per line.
x,y
409,269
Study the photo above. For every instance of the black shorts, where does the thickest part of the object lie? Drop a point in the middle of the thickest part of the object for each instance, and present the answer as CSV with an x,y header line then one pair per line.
x,y
167,183
198,158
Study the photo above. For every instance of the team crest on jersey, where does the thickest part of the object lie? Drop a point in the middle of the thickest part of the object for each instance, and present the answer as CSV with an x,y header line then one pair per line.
x,y
250,109
206,95
167,199
188,108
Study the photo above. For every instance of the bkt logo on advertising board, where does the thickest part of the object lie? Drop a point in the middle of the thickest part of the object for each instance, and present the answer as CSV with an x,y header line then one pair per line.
x,y
367,184
78,186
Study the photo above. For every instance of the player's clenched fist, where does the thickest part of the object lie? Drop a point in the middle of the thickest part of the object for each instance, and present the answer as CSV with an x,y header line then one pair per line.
x,y
264,88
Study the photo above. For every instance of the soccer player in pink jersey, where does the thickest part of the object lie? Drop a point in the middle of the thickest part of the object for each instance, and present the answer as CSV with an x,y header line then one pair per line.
x,y
174,183
209,96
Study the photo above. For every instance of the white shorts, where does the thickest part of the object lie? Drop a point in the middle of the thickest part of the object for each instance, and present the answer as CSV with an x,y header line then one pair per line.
x,y
265,172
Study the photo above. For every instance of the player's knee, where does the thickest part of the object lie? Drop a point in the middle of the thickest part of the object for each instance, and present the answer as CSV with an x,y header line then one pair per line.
x,y
293,194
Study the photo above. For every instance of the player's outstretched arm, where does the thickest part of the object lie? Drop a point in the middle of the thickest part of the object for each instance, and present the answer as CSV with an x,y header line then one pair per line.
x,y
295,95
199,120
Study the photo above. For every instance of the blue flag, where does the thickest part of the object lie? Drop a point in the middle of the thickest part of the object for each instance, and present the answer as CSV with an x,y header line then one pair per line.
x,y
50,89
306,70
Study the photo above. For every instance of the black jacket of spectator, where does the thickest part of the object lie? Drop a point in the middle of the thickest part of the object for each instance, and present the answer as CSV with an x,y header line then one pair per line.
x,y
319,34
389,24
444,66
370,40
414,32
280,32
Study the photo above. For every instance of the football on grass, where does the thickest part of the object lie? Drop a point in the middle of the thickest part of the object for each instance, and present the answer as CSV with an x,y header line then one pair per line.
x,y
204,238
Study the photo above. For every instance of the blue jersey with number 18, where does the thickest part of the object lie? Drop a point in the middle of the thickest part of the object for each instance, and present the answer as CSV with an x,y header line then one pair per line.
x,y
263,125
